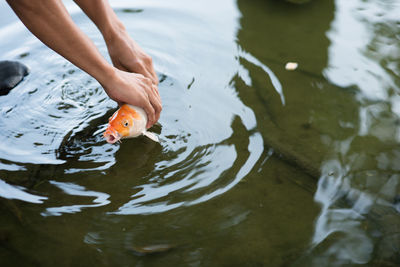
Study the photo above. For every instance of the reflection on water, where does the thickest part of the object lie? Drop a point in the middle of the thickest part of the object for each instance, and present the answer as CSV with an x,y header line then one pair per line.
x,y
347,109
76,190
61,113
16,192
248,150
193,185
360,180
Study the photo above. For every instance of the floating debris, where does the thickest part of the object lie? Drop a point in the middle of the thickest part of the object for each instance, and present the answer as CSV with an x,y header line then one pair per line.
x,y
152,249
131,10
291,65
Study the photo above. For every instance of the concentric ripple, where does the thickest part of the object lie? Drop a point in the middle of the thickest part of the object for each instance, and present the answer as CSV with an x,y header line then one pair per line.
x,y
209,140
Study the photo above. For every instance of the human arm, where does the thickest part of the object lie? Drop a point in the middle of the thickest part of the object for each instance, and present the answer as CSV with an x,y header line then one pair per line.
x,y
125,53
50,22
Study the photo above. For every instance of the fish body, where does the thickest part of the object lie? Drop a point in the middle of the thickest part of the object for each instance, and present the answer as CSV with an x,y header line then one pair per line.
x,y
127,122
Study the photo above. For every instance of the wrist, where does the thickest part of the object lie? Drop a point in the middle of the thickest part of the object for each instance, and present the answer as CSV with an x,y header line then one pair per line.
x,y
108,76
102,14
112,29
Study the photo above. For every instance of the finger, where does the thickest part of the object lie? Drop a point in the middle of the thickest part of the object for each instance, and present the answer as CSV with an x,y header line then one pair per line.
x,y
149,73
119,66
156,103
137,67
155,100
153,75
146,70
155,92
148,63
157,109
150,115
154,95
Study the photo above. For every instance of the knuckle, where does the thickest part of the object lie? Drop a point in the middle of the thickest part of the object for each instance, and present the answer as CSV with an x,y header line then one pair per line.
x,y
148,59
148,82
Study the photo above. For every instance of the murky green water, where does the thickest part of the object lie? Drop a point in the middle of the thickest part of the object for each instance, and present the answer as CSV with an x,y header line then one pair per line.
x,y
257,166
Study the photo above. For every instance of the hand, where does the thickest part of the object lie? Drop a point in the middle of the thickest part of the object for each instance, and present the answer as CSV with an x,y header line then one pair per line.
x,y
128,56
135,89
51,23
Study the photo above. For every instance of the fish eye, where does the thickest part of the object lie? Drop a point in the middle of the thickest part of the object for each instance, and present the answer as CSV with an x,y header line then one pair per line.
x,y
126,123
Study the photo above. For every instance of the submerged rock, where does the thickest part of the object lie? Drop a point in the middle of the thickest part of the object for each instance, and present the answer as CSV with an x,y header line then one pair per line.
x,y
11,73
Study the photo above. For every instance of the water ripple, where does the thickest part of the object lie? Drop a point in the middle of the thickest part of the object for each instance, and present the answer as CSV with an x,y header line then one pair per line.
x,y
209,138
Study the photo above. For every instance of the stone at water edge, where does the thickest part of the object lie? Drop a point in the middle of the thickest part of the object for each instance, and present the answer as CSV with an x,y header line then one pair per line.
x,y
11,73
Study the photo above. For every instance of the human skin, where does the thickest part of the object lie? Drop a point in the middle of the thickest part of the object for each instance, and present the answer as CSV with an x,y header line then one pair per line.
x,y
131,80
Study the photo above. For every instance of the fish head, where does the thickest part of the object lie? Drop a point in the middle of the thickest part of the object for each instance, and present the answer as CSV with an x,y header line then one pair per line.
x,y
120,124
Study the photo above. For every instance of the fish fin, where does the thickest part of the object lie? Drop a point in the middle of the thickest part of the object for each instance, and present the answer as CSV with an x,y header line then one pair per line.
x,y
152,136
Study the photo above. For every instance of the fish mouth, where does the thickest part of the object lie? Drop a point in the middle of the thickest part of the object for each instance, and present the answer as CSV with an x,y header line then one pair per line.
x,y
111,137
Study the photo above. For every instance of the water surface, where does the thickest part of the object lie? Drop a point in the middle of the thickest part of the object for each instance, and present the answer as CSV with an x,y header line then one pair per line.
x,y
257,165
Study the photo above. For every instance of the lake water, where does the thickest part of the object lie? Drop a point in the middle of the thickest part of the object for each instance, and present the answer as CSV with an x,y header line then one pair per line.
x,y
257,165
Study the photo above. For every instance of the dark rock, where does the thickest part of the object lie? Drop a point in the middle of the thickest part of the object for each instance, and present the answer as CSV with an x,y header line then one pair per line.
x,y
11,73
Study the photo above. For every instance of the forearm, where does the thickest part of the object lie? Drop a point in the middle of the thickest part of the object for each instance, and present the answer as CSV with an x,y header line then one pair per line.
x,y
101,13
49,21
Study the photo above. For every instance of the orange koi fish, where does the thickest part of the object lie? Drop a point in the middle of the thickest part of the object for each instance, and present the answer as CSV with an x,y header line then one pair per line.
x,y
128,121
